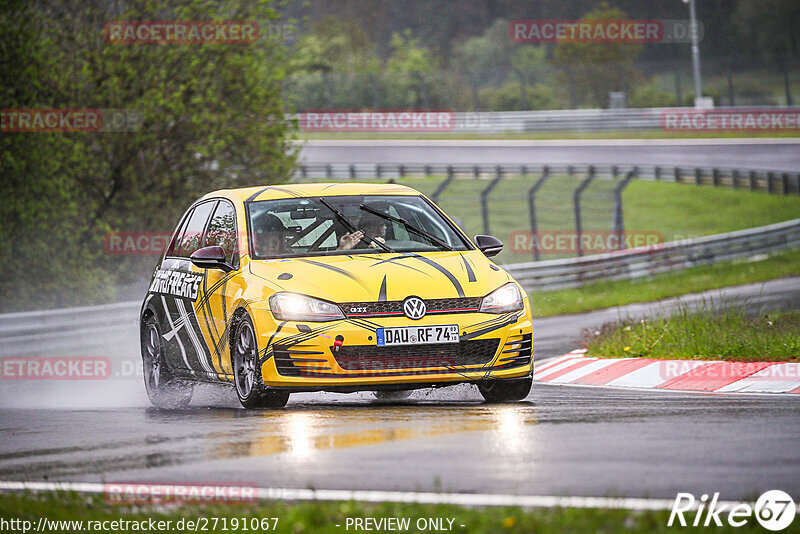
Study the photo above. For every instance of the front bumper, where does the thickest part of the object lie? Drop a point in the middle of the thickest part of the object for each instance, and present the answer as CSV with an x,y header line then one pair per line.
x,y
305,357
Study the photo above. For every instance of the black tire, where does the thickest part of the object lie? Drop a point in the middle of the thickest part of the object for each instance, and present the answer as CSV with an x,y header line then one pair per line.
x,y
505,390
163,390
389,395
249,386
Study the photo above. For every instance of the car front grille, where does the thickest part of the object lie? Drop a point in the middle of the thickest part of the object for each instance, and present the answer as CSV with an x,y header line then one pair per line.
x,y
394,308
372,358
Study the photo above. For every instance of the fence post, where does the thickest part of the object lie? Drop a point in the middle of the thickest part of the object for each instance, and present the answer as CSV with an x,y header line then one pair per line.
x,y
475,172
485,199
532,210
785,183
698,176
427,171
769,182
735,178
303,172
402,171
657,173
441,187
378,170
752,180
352,171
677,173
329,171
576,199
619,223
715,176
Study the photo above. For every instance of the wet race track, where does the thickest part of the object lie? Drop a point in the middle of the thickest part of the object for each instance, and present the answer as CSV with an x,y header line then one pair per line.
x,y
561,440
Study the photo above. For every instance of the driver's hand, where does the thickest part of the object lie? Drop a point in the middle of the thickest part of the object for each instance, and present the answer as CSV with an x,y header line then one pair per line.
x,y
373,245
348,240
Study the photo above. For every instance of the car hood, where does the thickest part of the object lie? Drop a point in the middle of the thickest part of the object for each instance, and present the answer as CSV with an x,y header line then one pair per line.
x,y
384,276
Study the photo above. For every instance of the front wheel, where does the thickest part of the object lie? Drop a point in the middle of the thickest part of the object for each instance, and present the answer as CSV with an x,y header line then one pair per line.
x,y
250,387
162,389
505,390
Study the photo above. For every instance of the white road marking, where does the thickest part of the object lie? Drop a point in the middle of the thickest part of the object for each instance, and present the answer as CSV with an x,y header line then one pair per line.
x,y
460,499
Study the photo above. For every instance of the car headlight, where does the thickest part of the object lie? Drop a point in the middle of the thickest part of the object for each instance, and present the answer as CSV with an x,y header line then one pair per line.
x,y
503,300
296,307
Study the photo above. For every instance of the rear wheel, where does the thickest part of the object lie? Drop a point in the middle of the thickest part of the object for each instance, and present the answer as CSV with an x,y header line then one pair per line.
x,y
250,387
163,390
505,390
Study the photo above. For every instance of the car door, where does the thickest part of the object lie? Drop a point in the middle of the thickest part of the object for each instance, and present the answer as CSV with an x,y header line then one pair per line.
x,y
179,288
219,288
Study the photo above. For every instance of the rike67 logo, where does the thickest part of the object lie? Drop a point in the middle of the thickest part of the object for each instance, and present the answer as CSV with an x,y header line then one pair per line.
x,y
774,510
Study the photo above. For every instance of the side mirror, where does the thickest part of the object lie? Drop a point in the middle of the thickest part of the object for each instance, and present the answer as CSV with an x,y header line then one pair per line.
x,y
489,245
211,258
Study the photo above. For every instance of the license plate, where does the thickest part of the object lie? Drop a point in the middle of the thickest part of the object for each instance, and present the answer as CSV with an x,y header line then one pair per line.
x,y
413,335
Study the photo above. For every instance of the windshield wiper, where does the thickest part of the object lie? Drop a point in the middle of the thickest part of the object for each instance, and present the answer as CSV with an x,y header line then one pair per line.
x,y
408,225
352,228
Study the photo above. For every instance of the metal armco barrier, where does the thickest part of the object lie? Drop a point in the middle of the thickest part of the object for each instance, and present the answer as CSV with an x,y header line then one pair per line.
x,y
776,182
665,257
488,122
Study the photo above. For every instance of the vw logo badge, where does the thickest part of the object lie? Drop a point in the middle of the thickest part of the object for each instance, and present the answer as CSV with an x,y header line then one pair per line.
x,y
414,308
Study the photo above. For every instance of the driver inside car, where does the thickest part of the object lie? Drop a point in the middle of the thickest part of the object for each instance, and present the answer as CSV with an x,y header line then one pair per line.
x,y
372,226
271,236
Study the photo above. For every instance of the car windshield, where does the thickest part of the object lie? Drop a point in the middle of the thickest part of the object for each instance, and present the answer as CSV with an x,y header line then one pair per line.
x,y
348,225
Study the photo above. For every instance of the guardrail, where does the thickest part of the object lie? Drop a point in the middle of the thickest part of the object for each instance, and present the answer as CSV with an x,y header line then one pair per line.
x,y
637,263
540,275
488,122
777,182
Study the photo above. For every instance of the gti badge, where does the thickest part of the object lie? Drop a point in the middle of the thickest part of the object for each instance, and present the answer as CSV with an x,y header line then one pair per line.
x,y
414,308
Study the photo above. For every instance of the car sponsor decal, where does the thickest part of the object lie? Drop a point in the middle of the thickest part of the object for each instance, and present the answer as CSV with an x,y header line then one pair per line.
x,y
177,283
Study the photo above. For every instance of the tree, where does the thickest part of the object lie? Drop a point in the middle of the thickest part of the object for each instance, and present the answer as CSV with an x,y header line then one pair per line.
x,y
592,70
212,117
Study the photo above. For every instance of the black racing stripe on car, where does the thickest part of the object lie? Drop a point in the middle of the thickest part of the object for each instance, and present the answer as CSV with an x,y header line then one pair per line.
x,y
337,270
494,267
366,325
490,328
382,292
207,312
213,288
444,271
267,352
468,267
394,261
256,194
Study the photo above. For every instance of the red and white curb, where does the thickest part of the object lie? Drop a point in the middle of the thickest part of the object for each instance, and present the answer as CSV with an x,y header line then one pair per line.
x,y
575,368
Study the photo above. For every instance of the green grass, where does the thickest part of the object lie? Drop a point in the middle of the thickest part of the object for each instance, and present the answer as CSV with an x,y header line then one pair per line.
x,y
312,517
547,135
657,287
670,211
704,334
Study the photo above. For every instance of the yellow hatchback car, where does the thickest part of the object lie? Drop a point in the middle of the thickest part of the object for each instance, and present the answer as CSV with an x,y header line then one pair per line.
x,y
331,287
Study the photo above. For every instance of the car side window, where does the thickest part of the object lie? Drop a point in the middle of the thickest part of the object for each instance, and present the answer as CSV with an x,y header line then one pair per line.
x,y
178,235
222,231
192,236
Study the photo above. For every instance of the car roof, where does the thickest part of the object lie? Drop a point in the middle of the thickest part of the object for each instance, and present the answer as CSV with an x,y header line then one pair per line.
x,y
273,192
